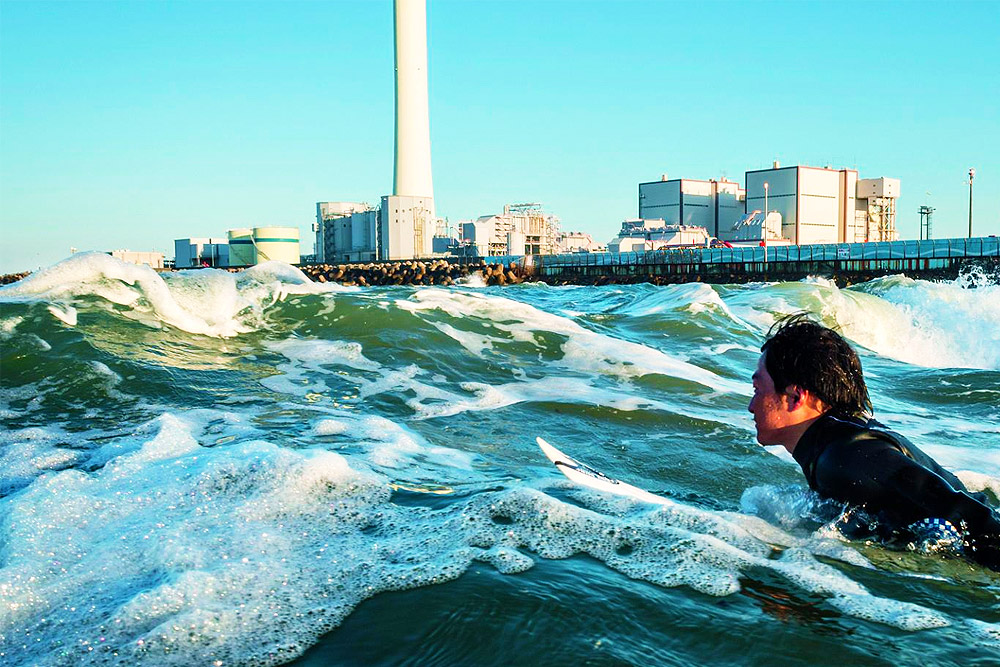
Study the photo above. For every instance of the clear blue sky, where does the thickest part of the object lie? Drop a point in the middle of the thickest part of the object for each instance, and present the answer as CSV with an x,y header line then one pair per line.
x,y
130,124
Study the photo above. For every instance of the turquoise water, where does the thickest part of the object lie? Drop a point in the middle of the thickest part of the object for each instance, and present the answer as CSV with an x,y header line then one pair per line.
x,y
213,468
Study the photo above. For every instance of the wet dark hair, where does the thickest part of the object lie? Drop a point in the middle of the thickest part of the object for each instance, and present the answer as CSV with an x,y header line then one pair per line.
x,y
803,352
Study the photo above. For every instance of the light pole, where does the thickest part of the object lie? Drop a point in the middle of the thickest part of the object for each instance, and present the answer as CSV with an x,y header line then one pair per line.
x,y
925,212
763,224
972,175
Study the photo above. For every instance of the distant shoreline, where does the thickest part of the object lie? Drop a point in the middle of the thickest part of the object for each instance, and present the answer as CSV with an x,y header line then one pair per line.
x,y
509,271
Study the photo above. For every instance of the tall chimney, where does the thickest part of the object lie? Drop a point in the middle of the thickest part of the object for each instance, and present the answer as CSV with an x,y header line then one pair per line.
x,y
413,134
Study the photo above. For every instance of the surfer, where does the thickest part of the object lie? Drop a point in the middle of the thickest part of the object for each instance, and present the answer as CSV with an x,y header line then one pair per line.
x,y
810,397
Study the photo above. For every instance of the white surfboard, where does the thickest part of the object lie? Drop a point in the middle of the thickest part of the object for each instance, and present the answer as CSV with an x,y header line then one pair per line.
x,y
586,476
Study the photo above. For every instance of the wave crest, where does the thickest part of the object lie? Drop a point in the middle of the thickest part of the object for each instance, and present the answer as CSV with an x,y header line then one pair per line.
x,y
211,302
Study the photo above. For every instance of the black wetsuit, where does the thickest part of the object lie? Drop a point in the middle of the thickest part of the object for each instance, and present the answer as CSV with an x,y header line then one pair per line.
x,y
864,464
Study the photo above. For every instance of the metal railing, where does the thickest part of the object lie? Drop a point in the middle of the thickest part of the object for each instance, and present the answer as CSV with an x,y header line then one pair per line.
x,y
924,249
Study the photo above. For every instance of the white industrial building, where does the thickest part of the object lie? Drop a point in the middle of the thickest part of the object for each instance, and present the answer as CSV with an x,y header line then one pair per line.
x,y
149,258
713,204
756,229
576,242
406,227
241,247
815,205
346,232
193,253
877,208
646,235
522,229
825,205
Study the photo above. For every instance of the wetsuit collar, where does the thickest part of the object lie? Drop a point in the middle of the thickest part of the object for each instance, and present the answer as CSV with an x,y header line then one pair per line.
x,y
808,448
815,439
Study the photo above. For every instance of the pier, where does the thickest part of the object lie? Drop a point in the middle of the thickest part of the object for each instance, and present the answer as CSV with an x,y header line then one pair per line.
x,y
845,263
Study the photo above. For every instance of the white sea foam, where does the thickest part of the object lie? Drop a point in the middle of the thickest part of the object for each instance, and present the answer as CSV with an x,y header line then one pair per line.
x,y
307,362
680,545
977,481
66,314
963,323
8,325
242,554
312,363
492,397
205,301
937,325
208,535
474,343
694,298
8,332
303,376
930,324
583,350
331,427
28,453
182,551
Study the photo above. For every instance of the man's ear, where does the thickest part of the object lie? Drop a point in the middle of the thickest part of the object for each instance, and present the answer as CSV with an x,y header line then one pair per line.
x,y
796,395
802,398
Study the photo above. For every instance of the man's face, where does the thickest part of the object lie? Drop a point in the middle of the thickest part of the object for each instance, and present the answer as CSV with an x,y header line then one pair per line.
x,y
771,410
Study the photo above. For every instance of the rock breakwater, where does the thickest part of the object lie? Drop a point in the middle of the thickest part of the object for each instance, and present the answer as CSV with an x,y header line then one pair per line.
x,y
415,272
411,272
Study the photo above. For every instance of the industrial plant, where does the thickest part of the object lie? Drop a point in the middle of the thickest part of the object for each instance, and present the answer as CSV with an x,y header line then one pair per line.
x,y
791,205
240,247
781,205
797,205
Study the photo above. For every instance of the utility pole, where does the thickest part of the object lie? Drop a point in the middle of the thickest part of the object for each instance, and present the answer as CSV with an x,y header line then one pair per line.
x,y
972,175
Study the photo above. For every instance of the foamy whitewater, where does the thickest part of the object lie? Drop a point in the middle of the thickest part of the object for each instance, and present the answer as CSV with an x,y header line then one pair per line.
x,y
251,469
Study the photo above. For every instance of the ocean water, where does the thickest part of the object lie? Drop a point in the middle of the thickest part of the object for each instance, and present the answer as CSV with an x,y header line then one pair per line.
x,y
204,468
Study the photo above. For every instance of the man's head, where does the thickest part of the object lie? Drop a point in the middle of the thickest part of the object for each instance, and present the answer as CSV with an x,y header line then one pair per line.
x,y
805,370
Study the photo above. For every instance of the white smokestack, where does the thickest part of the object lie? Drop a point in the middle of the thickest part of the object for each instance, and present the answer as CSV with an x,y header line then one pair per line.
x,y
413,132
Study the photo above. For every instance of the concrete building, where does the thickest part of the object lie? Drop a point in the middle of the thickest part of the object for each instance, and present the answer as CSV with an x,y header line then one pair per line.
x,y
754,229
150,259
522,229
407,219
714,204
192,253
877,209
445,238
576,242
406,227
346,232
824,205
645,235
